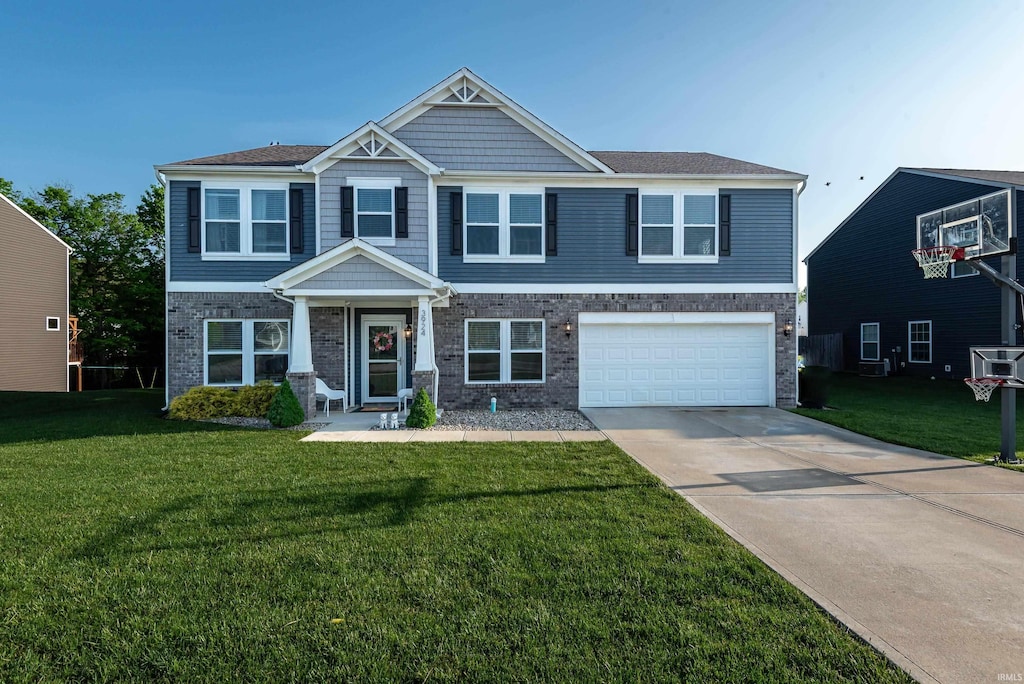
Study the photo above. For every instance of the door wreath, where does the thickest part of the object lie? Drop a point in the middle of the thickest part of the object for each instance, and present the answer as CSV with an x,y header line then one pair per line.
x,y
383,342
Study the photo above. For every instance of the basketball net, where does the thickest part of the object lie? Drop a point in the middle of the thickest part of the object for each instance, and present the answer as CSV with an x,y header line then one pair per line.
x,y
935,261
983,387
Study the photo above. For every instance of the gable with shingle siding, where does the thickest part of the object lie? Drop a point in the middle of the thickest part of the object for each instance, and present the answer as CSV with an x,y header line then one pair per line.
x,y
480,139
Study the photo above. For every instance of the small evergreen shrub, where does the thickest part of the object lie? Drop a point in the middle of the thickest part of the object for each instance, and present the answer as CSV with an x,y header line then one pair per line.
x,y
253,401
285,409
423,413
200,403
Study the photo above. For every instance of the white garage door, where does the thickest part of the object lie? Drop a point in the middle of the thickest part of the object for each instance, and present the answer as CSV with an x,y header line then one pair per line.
x,y
675,363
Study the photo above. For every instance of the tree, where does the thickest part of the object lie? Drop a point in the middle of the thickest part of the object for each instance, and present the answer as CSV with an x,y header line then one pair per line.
x,y
801,296
116,269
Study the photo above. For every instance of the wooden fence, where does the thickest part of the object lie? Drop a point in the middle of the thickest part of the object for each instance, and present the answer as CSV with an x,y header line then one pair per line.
x,y
823,350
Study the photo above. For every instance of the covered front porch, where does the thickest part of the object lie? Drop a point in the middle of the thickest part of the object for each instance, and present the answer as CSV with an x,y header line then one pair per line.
x,y
362,322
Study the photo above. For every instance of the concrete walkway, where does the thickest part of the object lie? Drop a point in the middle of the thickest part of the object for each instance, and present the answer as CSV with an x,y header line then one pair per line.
x,y
355,427
920,554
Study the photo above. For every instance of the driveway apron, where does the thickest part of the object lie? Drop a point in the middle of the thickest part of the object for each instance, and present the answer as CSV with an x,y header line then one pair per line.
x,y
920,554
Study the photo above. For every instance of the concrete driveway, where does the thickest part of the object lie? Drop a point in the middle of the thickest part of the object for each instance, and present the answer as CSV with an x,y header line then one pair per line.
x,y
920,554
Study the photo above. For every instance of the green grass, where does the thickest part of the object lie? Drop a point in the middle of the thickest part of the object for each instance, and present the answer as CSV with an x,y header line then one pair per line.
x,y
936,415
135,548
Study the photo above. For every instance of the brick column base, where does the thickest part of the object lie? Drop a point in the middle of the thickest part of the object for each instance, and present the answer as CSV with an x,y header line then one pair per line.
x,y
425,380
304,387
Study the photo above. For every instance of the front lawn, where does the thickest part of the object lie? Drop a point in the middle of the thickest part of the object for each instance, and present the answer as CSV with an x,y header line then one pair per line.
x,y
135,548
935,415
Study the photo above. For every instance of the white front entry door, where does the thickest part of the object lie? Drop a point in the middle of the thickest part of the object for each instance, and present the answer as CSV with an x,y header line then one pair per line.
x,y
383,353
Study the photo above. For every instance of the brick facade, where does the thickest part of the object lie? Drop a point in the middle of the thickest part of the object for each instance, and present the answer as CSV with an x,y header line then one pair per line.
x,y
561,386
187,311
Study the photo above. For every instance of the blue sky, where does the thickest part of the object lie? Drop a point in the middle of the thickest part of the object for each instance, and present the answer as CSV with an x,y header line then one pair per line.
x,y
96,93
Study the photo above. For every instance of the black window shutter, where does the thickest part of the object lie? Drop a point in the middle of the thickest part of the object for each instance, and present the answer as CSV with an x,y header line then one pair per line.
x,y
194,231
551,229
456,200
402,212
348,226
295,196
724,224
632,224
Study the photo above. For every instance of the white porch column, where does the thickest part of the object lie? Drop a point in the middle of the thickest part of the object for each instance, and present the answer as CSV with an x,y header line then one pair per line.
x,y
424,337
302,349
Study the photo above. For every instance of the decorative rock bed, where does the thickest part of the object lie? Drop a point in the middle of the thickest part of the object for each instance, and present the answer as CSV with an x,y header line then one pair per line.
x,y
516,419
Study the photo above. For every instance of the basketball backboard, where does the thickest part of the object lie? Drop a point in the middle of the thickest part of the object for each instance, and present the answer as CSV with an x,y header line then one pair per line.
x,y
999,363
983,226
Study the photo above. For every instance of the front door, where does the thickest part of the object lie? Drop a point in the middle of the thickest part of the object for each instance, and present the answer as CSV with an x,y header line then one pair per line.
x,y
383,347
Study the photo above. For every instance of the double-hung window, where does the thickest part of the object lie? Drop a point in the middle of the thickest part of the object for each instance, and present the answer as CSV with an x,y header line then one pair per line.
x,y
504,351
869,342
678,226
503,225
919,339
245,222
374,215
244,352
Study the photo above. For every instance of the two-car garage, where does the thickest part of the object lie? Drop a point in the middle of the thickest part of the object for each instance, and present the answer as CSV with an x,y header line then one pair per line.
x,y
677,359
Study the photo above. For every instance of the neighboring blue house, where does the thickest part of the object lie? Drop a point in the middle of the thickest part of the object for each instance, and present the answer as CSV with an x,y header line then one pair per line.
x,y
863,282
463,245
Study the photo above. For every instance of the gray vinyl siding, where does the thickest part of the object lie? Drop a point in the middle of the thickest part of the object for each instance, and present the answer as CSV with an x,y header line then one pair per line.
x,y
592,244
360,273
480,139
413,249
864,273
189,266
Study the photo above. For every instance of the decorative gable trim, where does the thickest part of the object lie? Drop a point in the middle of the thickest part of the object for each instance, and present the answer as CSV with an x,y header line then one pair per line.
x,y
370,142
466,89
342,253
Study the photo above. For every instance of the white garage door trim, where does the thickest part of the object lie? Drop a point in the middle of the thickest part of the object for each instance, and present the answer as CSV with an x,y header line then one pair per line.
x,y
765,320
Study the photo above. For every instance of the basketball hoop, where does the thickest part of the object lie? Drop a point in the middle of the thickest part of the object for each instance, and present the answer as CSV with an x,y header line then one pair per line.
x,y
935,261
983,387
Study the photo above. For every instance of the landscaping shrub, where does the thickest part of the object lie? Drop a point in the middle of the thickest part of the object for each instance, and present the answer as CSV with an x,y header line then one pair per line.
x,y
285,410
200,403
423,413
253,401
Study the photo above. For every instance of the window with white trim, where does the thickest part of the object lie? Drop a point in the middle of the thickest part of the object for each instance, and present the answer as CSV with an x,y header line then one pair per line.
x,y
53,323
244,352
919,341
869,342
248,221
503,224
678,226
504,351
374,219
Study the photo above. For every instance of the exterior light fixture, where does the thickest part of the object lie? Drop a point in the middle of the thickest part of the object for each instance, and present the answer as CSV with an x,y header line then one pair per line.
x,y
408,331
568,328
787,329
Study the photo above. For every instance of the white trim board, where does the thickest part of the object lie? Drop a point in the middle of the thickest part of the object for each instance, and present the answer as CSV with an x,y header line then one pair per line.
x,y
216,286
626,288
37,223
673,318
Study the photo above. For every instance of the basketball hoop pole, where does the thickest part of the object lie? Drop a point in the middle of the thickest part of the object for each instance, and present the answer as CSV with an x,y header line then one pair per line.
x,y
1008,395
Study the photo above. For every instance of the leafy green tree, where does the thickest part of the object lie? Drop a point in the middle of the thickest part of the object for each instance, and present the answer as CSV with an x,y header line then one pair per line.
x,y
801,296
117,269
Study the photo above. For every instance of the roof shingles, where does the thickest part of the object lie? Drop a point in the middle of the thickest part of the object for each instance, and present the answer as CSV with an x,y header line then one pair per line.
x,y
681,163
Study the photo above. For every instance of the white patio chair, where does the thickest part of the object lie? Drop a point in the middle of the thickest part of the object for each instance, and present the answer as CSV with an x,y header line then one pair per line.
x,y
404,397
327,394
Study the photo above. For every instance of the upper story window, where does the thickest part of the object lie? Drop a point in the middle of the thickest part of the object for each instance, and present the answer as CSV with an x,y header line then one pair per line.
x,y
374,212
249,222
678,226
504,225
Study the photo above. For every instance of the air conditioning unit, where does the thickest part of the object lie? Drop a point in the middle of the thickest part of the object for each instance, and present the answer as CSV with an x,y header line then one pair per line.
x,y
874,369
